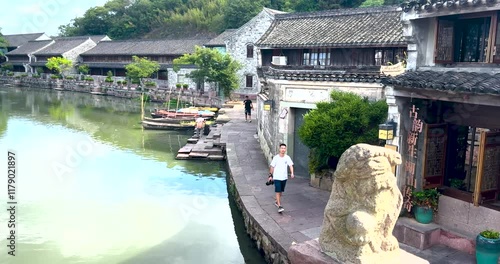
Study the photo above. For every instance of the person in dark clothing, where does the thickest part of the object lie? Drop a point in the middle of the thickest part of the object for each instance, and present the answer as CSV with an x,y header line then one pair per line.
x,y
248,109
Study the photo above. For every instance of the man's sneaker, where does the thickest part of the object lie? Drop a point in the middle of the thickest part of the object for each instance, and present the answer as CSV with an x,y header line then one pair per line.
x,y
280,209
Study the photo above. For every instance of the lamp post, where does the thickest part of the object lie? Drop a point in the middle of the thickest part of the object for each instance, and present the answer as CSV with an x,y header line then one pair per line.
x,y
387,130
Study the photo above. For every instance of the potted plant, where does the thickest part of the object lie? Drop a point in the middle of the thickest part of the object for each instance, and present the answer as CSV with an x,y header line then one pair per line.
x,y
488,247
426,203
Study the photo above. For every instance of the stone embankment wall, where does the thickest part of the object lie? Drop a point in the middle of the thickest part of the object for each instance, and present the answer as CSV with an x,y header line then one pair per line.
x,y
272,251
155,93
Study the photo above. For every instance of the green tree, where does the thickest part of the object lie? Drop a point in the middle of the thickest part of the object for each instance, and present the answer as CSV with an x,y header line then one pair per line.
x,y
59,65
141,68
334,126
213,66
83,69
238,12
3,44
371,3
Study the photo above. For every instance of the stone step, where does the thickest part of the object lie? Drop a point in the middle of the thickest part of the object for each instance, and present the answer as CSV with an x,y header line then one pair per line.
x,y
216,157
422,236
193,140
182,156
209,145
198,155
186,149
212,151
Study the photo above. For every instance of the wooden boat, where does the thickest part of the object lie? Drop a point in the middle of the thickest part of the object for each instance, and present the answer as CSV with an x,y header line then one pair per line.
x,y
182,113
183,125
169,120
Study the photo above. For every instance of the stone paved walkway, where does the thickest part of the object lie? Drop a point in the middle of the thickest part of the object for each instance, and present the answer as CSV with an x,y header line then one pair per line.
x,y
304,205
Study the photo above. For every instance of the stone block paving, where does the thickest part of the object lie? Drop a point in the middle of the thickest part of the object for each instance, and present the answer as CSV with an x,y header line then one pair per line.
x,y
304,205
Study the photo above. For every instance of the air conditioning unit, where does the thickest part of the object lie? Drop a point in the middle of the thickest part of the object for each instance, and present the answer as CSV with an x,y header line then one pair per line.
x,y
279,60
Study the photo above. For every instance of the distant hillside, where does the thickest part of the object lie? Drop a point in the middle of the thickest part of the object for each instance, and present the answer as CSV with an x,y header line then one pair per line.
x,y
128,19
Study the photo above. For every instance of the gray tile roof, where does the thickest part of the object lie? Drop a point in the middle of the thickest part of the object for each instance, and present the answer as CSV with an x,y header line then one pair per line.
x,y
146,47
62,45
353,27
121,65
95,38
450,81
441,6
17,40
368,74
219,40
30,47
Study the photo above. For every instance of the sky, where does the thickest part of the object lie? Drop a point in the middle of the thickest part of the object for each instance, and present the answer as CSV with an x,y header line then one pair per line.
x,y
33,16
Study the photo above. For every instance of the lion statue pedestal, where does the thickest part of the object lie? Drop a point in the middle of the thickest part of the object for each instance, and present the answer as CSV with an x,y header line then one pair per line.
x,y
361,213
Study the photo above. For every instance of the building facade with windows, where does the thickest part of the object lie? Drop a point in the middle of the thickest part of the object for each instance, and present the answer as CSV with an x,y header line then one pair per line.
x,y
305,56
446,108
241,46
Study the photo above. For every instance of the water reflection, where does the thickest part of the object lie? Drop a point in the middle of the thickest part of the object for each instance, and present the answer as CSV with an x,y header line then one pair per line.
x,y
94,187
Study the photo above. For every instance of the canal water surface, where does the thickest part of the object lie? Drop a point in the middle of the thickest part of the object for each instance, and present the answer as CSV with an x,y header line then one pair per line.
x,y
92,186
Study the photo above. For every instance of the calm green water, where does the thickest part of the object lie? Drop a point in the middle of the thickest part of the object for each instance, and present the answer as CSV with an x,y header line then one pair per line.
x,y
93,187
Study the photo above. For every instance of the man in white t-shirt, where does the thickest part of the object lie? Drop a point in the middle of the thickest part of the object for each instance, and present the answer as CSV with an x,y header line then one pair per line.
x,y
278,172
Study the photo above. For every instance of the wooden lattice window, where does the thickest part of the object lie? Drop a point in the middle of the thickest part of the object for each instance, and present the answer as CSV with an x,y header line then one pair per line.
x,y
444,42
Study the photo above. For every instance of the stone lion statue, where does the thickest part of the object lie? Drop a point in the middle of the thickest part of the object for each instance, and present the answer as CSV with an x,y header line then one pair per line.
x,y
363,208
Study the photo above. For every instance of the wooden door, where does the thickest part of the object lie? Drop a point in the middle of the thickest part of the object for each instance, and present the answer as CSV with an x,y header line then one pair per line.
x,y
488,169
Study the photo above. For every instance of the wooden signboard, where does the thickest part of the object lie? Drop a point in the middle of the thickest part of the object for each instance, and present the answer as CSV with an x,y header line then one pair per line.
x,y
488,171
433,164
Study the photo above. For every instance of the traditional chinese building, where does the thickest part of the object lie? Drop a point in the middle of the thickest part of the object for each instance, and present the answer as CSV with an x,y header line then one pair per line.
x,y
66,47
219,42
446,108
240,45
115,55
22,57
15,41
305,56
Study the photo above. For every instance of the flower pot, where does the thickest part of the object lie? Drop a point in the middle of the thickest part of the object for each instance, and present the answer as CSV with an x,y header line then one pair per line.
x,y
423,215
487,250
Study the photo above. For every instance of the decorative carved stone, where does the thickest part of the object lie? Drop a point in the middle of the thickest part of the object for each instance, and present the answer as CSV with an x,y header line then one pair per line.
x,y
364,205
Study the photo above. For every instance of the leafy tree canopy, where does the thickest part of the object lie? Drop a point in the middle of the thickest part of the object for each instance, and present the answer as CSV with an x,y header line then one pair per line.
x,y
213,66
59,65
334,126
141,68
3,44
123,19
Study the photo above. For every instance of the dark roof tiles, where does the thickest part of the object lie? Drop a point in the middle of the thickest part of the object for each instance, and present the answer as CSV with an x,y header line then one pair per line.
x,y
17,40
449,81
219,40
62,45
354,74
357,27
30,47
146,47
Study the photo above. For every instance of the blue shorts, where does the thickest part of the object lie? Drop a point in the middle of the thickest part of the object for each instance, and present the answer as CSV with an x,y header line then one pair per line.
x,y
279,186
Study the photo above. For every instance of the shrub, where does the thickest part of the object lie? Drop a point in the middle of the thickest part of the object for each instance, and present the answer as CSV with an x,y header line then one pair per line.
x,y
109,77
426,198
150,84
178,85
89,79
118,82
70,78
334,126
490,234
24,75
124,82
10,74
55,76
35,76
185,86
